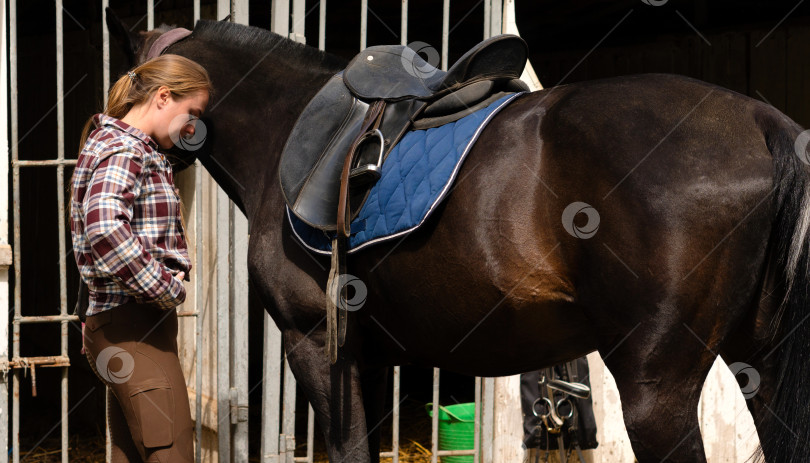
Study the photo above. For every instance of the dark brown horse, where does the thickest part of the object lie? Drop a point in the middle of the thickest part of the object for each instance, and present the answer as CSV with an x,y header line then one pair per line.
x,y
702,209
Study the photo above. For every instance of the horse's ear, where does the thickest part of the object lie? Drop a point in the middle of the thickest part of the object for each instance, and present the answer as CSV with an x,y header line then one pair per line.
x,y
226,18
128,41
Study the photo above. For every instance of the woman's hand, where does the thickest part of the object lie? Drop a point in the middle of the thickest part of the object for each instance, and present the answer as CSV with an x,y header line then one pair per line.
x,y
180,276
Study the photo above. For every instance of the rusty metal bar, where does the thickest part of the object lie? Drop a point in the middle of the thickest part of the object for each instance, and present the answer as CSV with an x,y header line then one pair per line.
x,y
5,250
60,198
47,361
15,176
395,427
45,163
45,319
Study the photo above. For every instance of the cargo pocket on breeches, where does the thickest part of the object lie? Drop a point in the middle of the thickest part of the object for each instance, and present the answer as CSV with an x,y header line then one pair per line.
x,y
153,406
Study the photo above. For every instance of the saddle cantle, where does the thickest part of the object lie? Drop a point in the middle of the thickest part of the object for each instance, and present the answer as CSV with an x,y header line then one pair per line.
x,y
411,94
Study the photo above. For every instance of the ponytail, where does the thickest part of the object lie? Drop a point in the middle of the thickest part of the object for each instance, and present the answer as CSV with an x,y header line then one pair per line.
x,y
181,75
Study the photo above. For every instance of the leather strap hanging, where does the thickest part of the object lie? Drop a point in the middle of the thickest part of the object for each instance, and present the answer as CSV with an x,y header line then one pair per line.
x,y
337,317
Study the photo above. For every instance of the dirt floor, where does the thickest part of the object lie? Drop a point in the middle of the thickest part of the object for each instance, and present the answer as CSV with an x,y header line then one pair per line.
x,y
414,442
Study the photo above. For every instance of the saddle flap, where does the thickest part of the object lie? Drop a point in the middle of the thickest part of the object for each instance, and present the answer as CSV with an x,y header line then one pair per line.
x,y
312,159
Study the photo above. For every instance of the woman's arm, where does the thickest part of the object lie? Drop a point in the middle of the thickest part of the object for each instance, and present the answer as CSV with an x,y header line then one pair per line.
x,y
117,252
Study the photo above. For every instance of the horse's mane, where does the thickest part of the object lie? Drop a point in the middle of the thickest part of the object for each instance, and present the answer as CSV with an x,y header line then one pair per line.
x,y
249,37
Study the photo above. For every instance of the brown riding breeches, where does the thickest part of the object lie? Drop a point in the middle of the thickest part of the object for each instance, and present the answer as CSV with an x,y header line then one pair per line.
x,y
132,348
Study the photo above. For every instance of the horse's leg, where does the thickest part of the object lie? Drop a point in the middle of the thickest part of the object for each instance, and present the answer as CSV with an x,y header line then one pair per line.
x,y
660,392
748,352
334,392
375,384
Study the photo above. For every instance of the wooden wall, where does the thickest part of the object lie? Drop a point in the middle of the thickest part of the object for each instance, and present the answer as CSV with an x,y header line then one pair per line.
x,y
770,66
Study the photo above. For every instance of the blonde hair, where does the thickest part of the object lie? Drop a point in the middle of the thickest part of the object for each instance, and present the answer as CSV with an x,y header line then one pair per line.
x,y
182,76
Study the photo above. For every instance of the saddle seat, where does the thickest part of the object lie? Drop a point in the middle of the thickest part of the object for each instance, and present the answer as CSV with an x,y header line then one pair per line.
x,y
395,72
406,93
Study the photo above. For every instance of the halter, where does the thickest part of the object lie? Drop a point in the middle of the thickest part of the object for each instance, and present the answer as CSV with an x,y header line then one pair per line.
x,y
165,40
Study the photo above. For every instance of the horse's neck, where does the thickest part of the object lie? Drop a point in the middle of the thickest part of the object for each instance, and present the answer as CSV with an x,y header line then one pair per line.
x,y
253,118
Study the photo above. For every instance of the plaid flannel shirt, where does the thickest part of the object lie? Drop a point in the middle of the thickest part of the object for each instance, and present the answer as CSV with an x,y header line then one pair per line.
x,y
128,237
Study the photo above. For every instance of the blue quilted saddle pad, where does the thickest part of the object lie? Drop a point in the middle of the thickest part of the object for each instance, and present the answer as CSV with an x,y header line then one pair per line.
x,y
416,176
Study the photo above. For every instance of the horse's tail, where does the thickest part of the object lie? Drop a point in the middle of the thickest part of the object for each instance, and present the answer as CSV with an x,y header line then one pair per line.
x,y
785,433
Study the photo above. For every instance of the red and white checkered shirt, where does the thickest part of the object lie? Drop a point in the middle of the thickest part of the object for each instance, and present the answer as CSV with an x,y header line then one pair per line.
x,y
128,237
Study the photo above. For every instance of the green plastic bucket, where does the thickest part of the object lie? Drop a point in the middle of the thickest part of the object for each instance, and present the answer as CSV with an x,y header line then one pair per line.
x,y
456,430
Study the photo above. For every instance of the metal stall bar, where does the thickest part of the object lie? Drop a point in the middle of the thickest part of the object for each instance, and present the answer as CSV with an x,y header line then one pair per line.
x,y
239,308
363,23
105,51
5,249
60,197
223,327
60,361
322,25
272,366
287,443
105,72
403,26
434,425
445,32
199,304
239,301
477,425
15,379
223,428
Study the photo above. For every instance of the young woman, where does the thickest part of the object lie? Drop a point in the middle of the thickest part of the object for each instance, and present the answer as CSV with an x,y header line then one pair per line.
x,y
129,244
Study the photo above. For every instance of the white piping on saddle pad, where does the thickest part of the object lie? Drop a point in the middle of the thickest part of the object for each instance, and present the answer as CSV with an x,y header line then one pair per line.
x,y
447,186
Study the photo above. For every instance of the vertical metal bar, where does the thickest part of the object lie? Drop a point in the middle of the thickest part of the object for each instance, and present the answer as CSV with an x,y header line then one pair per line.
x,y
239,339
223,9
445,32
199,302
105,51
4,289
487,18
60,198
395,427
240,11
238,285
322,25
105,72
15,175
488,420
496,17
288,420
299,14
223,327
363,23
311,434
477,426
150,14
271,389
403,24
434,425
280,20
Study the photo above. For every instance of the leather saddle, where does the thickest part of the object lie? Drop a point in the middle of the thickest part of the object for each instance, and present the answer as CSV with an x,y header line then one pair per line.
x,y
339,143
384,92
